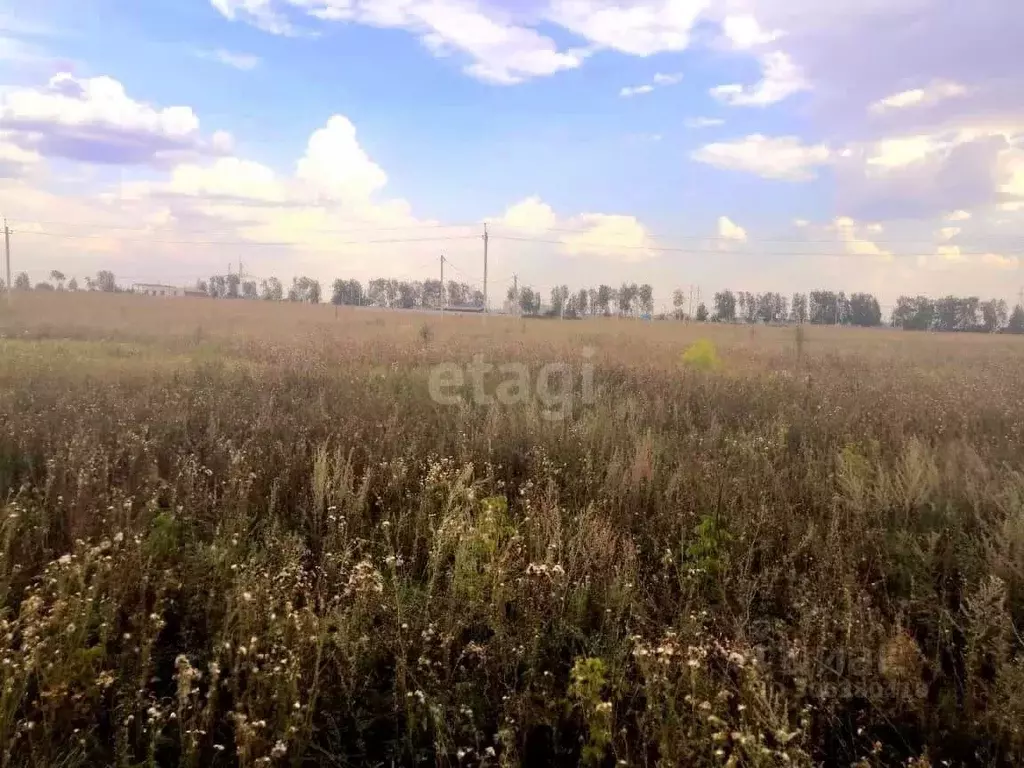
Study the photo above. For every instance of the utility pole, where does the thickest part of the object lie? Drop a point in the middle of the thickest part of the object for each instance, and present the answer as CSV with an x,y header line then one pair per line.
x,y
7,254
444,293
515,291
487,239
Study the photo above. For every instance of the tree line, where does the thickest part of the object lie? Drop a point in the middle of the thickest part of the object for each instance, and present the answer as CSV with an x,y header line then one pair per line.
x,y
821,307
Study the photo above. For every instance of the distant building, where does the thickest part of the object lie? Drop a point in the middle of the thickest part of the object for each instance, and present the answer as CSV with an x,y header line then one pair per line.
x,y
150,289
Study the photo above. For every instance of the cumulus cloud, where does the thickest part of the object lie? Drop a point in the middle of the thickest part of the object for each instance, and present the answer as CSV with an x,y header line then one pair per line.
x,y
781,79
14,160
611,236
531,215
743,31
856,244
95,120
933,93
729,230
923,175
782,157
658,81
337,165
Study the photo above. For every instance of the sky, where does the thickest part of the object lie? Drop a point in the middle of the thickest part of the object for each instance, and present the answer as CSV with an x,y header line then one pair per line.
x,y
760,145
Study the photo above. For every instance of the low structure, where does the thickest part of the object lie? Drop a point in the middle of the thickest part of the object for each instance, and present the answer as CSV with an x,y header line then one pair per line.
x,y
152,289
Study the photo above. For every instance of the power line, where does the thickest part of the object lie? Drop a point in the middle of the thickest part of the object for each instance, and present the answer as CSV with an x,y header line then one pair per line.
x,y
747,252
245,243
232,230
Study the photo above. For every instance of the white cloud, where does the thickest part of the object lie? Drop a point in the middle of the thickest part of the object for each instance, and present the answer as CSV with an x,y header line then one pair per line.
x,y
658,81
950,253
895,153
703,122
638,28
1000,262
228,177
801,223
94,120
241,61
958,216
337,166
14,160
259,13
948,233
933,93
611,236
855,244
744,31
635,90
728,230
781,79
783,157
499,51
670,79
531,215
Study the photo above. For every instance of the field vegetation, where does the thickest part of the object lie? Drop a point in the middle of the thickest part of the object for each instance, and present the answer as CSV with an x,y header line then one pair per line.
x,y
242,533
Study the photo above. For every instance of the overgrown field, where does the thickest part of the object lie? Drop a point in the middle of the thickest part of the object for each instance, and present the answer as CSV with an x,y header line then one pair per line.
x,y
240,533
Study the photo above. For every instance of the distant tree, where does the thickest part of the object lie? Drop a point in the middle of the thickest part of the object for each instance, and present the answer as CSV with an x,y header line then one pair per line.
x,y
272,290
529,301
582,301
604,299
798,308
232,282
646,298
678,304
433,294
21,282
304,289
914,313
58,277
725,307
458,294
954,313
105,281
202,287
629,298
249,290
824,308
994,314
476,297
73,284
44,287
750,307
347,292
409,294
559,298
1016,322
865,310
702,313
218,287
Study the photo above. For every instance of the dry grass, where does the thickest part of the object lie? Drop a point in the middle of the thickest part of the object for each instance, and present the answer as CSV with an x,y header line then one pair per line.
x,y
242,534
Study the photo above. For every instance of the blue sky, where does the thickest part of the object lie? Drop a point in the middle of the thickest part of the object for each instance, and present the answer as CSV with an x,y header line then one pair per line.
x,y
839,150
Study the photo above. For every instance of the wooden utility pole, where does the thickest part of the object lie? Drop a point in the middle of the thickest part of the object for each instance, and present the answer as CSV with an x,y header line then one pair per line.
x,y
487,239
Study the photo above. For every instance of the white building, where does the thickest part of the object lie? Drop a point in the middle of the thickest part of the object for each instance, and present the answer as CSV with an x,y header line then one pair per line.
x,y
151,289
